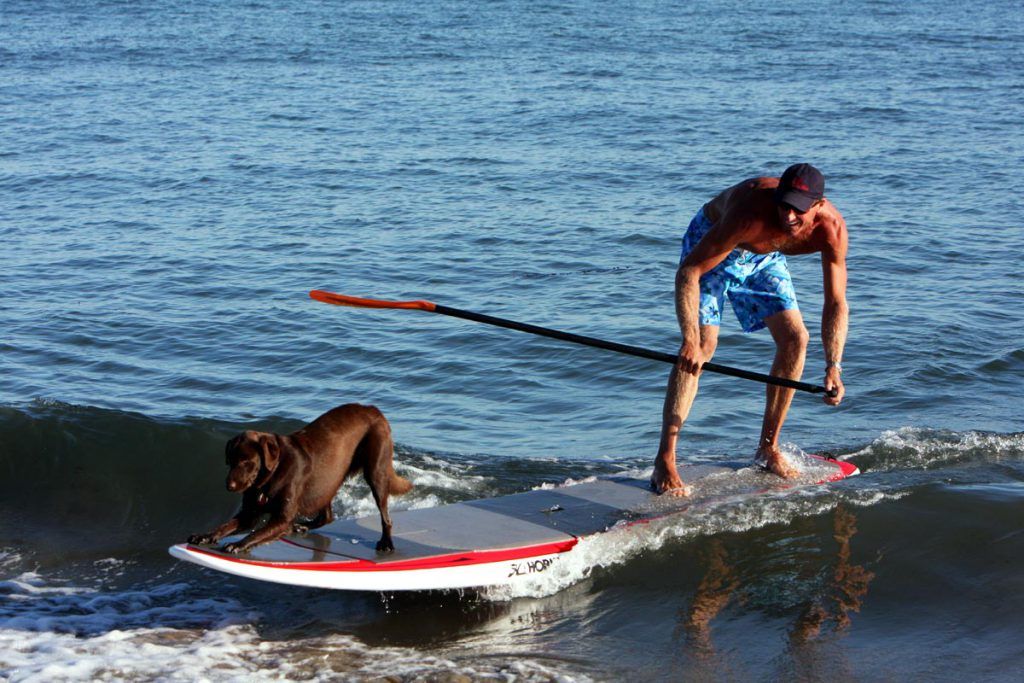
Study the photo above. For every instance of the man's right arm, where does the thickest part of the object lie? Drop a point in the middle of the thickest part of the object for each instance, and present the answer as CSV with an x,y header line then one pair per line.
x,y
688,315
709,252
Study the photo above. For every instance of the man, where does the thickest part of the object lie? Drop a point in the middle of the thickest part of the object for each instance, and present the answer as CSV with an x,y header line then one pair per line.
x,y
734,247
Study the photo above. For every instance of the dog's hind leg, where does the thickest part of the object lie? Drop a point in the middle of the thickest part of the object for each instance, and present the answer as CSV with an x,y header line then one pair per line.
x,y
375,451
325,516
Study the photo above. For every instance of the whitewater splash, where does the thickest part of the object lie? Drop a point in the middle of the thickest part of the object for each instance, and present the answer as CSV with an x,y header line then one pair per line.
x,y
54,631
918,447
626,541
908,447
435,482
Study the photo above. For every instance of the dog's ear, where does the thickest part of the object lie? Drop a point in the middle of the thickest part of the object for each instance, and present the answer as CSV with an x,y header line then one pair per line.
x,y
231,446
271,451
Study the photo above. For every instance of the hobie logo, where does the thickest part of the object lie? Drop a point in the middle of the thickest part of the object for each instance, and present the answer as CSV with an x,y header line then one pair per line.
x,y
799,184
531,567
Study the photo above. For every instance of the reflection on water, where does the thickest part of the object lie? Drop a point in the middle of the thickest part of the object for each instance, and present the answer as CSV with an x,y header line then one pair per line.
x,y
823,599
769,595
713,594
845,592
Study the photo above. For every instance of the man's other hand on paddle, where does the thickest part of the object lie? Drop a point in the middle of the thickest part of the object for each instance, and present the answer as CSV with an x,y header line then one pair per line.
x,y
833,380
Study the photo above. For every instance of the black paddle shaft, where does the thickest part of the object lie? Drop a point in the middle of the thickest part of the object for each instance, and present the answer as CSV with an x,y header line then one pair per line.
x,y
627,349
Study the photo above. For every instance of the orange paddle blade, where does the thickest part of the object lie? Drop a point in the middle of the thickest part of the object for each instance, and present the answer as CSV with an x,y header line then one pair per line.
x,y
359,302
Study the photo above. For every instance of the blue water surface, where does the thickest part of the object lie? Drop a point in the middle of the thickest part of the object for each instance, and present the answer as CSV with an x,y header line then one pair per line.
x,y
175,176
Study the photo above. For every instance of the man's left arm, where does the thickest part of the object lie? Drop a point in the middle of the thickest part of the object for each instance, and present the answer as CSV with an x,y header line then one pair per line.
x,y
835,317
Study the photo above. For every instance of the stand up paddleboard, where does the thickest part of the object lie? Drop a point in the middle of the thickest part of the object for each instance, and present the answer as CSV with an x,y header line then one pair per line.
x,y
491,542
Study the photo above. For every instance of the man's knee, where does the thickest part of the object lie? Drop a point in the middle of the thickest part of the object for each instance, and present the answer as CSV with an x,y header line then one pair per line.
x,y
795,338
708,346
708,340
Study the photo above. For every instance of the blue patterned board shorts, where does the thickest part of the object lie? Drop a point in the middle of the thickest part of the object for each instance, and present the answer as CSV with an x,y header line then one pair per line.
x,y
758,285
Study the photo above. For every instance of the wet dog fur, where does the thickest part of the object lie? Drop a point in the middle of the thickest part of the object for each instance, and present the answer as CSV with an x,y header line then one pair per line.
x,y
296,476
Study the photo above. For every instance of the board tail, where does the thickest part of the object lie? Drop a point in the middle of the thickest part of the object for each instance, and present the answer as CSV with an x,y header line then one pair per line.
x,y
399,485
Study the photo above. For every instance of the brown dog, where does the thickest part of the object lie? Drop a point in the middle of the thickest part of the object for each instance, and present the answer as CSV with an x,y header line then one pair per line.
x,y
296,476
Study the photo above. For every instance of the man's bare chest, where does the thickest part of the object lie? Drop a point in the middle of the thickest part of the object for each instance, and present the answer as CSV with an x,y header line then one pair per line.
x,y
788,245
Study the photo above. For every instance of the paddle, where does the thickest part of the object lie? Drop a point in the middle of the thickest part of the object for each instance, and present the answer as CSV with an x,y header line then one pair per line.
x,y
420,305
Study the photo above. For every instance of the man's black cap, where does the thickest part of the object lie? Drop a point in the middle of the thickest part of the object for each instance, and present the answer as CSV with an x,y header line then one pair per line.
x,y
800,186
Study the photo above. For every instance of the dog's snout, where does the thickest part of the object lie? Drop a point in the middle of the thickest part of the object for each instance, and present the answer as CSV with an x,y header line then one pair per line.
x,y
232,484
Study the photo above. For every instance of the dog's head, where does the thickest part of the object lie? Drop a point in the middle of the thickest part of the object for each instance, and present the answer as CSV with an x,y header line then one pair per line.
x,y
252,457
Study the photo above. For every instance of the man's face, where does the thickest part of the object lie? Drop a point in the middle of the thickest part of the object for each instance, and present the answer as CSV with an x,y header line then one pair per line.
x,y
791,220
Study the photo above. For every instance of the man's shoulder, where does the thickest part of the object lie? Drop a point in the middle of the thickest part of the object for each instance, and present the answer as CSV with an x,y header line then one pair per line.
x,y
832,229
830,208
752,186
831,219
745,200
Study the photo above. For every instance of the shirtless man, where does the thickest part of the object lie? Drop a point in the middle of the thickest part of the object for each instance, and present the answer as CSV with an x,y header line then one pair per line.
x,y
734,246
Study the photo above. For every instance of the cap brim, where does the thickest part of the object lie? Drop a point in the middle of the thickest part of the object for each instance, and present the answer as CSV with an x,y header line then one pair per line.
x,y
797,200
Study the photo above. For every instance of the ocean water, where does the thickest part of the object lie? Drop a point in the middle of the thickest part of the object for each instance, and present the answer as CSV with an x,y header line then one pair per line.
x,y
175,177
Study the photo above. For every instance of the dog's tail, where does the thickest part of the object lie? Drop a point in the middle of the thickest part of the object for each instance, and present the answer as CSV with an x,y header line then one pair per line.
x,y
399,485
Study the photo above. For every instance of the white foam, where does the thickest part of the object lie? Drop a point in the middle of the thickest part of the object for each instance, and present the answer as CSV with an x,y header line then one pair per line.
x,y
546,486
52,631
442,477
638,472
919,447
31,583
800,458
354,499
8,558
625,542
55,631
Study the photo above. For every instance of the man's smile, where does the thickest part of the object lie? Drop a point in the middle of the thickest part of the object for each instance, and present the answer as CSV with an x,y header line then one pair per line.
x,y
790,218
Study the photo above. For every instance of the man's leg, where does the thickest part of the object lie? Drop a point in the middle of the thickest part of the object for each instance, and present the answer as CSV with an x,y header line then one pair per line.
x,y
682,389
790,335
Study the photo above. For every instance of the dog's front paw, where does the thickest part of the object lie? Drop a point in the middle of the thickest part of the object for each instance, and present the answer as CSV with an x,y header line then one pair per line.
x,y
234,548
300,529
385,545
201,539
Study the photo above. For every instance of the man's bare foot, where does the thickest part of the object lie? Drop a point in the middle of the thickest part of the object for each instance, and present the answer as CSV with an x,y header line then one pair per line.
x,y
666,481
772,459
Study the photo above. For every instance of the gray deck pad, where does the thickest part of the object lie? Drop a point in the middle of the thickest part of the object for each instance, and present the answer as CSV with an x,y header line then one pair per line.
x,y
525,519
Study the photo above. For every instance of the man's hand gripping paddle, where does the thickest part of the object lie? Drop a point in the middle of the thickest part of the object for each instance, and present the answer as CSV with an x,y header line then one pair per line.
x,y
420,305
